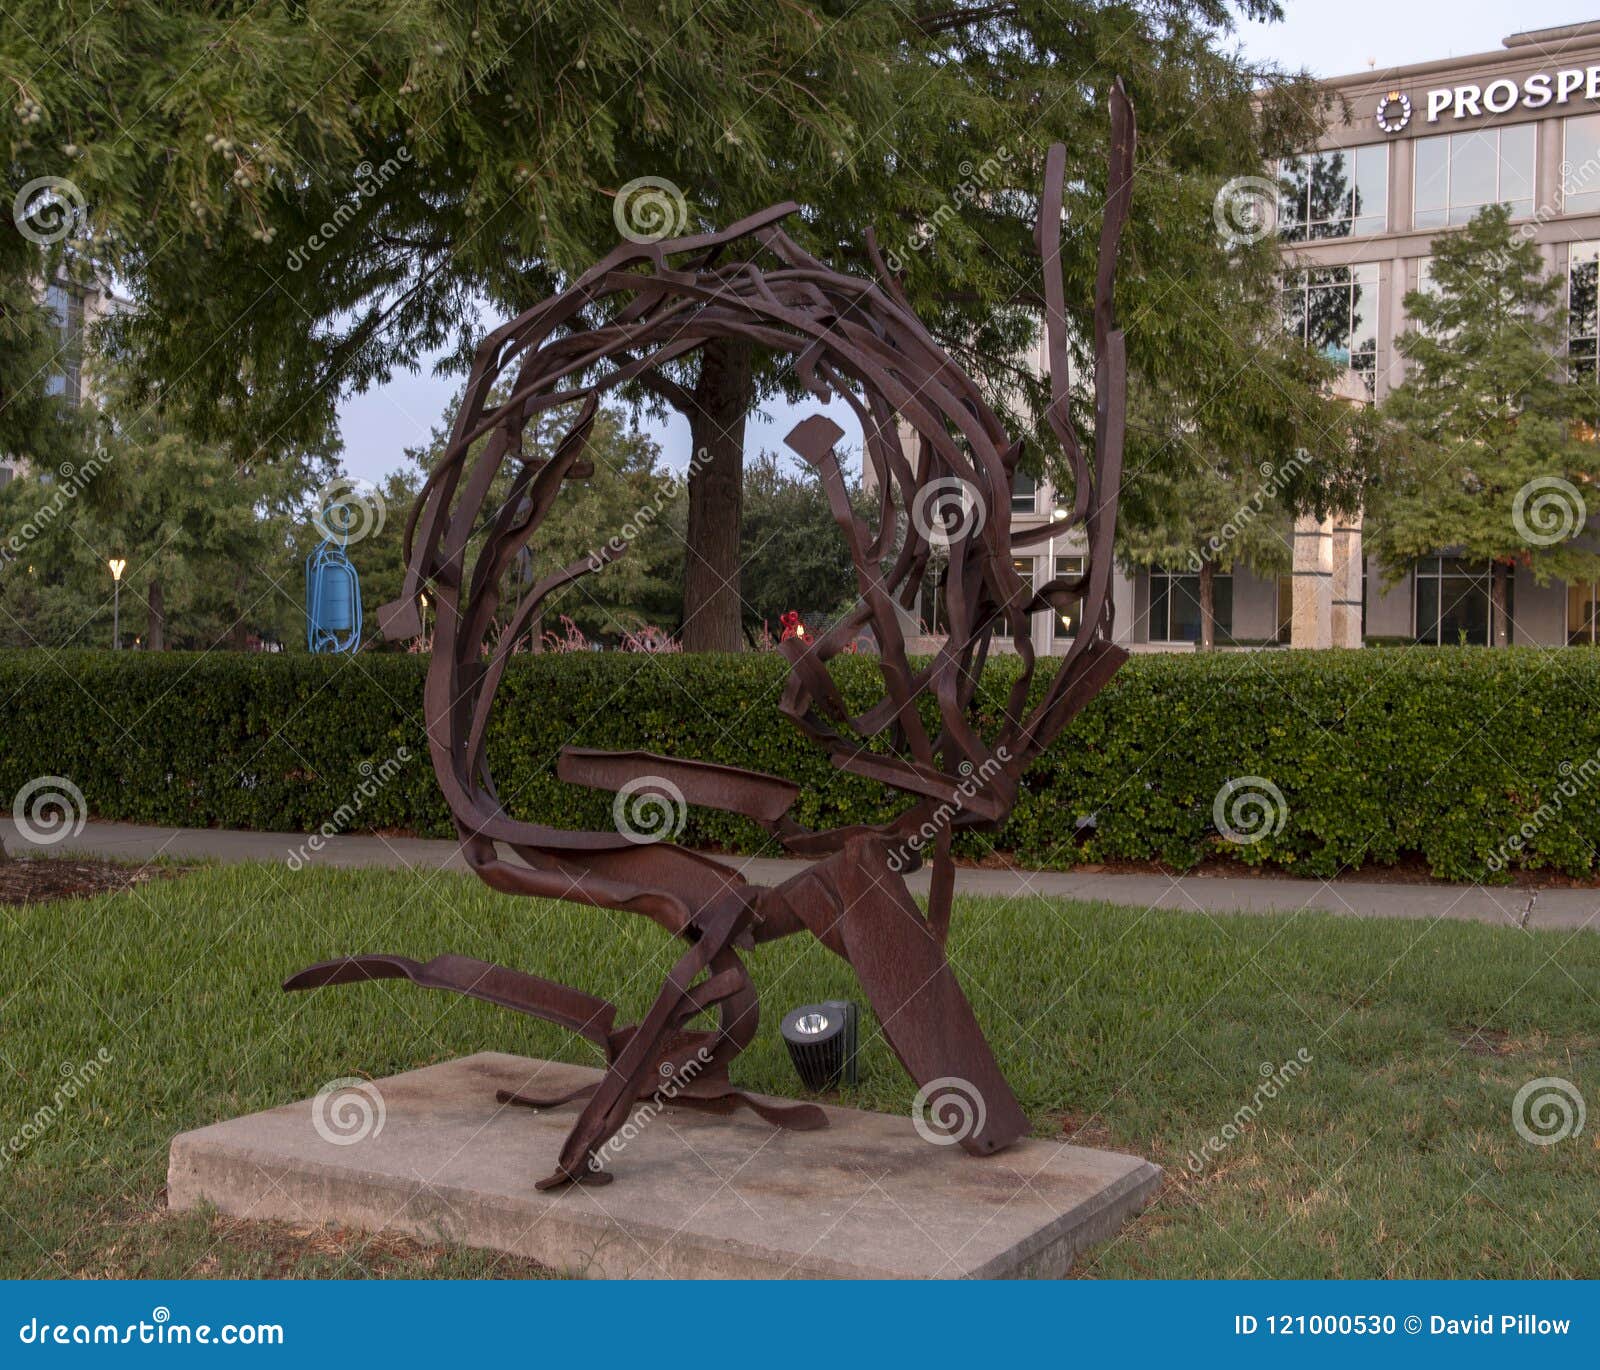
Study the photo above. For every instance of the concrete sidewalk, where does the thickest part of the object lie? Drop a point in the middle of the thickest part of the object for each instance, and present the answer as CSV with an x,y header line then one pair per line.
x,y
1506,906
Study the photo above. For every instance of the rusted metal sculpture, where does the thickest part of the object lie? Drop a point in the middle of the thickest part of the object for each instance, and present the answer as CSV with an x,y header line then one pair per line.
x,y
850,337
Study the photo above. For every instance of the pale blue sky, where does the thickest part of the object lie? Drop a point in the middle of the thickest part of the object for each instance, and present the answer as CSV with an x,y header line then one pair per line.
x,y
1330,37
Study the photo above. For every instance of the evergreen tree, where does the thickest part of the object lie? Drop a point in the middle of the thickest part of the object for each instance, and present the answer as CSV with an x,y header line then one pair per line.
x,y
303,203
1487,450
1270,441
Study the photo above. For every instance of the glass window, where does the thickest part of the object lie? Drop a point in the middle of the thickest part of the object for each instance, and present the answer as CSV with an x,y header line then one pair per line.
x,y
933,616
1581,614
1583,275
67,306
1334,311
1175,605
1337,193
1066,621
1024,493
1580,164
1457,174
1023,566
1452,602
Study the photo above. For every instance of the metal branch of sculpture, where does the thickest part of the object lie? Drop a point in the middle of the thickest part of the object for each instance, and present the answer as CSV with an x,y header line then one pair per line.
x,y
856,339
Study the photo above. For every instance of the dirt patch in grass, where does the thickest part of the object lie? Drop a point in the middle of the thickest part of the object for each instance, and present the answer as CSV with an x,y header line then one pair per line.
x,y
37,879
1485,1041
282,1250
137,1242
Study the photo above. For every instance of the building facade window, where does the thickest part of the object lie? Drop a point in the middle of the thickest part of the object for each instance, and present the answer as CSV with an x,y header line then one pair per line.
x,y
1023,566
67,307
1452,602
1066,621
1580,164
1024,494
1339,193
1334,310
1583,278
1581,616
1458,174
1175,605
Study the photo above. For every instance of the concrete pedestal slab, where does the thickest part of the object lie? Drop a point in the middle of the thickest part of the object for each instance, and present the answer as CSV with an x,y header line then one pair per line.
x,y
431,1154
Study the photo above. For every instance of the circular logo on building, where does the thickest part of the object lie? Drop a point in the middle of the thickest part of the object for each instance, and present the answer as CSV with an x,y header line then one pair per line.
x,y
1394,111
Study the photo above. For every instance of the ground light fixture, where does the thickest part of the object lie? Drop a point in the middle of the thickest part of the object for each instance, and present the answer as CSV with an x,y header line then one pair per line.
x,y
118,565
822,1043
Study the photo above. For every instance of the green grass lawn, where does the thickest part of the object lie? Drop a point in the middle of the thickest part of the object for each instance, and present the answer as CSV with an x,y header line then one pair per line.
x,y
1392,1153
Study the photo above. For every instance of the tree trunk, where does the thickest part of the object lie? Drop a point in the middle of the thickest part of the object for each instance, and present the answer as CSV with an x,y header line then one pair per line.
x,y
1499,619
723,397
1208,611
239,632
155,637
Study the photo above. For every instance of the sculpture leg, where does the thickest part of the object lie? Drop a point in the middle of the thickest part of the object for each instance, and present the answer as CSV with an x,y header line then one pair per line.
x,y
859,907
649,1053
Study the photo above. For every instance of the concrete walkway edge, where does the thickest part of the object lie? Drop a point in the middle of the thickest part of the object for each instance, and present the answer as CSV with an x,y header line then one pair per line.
x,y
1503,905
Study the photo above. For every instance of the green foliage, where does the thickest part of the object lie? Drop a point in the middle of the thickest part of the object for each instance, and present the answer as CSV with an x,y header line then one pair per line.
x,y
630,499
203,534
1466,760
1488,408
793,554
334,220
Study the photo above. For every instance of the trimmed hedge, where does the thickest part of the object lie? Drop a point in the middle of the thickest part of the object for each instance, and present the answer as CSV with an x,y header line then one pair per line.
x,y
1471,759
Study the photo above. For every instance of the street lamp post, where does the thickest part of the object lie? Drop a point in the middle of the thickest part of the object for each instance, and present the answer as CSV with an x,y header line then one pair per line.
x,y
118,565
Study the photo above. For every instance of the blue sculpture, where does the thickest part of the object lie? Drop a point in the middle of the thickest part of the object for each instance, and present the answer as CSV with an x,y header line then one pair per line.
x,y
333,599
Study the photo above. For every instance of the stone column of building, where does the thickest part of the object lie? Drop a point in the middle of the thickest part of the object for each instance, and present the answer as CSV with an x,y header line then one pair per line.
x,y
1346,596
1311,617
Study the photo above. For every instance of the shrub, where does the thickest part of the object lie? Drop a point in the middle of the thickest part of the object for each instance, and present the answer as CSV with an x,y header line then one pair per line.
x,y
1472,760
